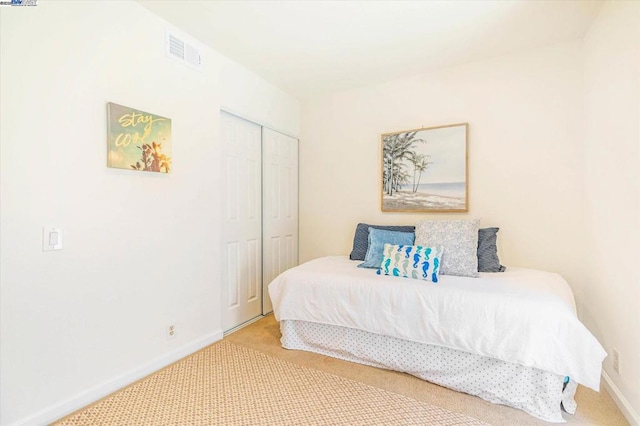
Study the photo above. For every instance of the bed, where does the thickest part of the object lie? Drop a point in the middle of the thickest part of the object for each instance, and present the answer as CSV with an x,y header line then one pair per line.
x,y
511,338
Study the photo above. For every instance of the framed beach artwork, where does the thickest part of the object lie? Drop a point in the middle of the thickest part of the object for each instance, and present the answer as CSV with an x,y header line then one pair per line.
x,y
138,140
425,170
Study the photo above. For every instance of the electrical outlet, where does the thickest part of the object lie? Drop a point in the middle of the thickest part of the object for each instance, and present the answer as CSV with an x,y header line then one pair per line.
x,y
171,331
616,361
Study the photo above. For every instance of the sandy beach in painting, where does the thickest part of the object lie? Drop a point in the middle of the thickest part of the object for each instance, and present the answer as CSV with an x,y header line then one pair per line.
x,y
408,200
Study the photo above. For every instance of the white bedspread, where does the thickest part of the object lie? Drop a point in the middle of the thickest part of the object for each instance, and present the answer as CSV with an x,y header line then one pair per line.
x,y
522,316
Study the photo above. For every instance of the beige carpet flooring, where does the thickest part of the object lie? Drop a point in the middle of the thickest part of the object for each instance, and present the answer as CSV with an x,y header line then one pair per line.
x,y
249,379
594,408
228,384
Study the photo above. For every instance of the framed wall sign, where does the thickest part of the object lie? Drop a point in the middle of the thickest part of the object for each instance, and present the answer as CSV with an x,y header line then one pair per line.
x,y
138,140
425,170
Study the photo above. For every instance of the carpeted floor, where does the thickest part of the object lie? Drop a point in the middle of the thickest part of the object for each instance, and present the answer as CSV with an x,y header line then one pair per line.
x,y
593,408
228,384
249,379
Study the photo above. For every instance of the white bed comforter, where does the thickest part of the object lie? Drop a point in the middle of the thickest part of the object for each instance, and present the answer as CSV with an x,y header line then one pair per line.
x,y
522,316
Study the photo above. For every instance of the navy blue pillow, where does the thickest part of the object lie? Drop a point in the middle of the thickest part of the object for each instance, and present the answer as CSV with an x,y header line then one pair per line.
x,y
488,251
361,238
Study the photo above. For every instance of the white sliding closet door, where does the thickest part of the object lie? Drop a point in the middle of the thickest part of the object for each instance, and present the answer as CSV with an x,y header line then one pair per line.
x,y
280,207
242,220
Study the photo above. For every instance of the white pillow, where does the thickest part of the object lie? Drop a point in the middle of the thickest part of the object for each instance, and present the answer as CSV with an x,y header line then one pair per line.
x,y
460,241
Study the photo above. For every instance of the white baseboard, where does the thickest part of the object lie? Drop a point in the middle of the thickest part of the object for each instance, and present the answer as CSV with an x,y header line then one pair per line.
x,y
95,393
623,404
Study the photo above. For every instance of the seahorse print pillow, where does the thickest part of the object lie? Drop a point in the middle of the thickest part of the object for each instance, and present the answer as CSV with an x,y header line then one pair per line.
x,y
416,262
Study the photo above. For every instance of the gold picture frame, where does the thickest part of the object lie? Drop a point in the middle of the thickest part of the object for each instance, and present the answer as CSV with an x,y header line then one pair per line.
x,y
425,170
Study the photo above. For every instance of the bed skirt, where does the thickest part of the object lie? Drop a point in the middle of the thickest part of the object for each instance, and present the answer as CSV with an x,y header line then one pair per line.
x,y
539,393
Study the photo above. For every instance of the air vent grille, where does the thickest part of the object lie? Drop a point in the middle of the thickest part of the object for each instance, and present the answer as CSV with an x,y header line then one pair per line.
x,y
176,47
183,51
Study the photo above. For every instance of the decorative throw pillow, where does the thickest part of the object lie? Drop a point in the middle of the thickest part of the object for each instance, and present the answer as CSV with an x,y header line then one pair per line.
x,y
361,238
459,238
488,260
411,262
377,239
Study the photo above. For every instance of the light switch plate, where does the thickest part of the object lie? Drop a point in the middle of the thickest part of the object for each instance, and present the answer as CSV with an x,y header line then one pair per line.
x,y
51,238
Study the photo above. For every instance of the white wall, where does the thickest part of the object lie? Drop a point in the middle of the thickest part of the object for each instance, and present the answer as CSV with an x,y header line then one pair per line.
x,y
525,155
245,94
140,249
612,182
554,161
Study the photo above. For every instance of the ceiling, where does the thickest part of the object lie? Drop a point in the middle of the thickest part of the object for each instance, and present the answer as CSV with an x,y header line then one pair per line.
x,y
309,48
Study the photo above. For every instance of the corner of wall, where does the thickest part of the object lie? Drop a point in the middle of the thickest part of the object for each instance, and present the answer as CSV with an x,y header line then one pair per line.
x,y
620,400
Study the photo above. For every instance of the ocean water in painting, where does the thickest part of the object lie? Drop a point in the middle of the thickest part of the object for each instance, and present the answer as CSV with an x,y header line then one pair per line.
x,y
448,189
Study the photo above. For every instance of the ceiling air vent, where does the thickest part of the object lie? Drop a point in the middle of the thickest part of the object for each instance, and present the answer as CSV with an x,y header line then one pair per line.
x,y
184,52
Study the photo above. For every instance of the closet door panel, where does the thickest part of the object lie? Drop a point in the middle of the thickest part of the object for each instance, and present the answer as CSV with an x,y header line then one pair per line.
x,y
279,207
241,232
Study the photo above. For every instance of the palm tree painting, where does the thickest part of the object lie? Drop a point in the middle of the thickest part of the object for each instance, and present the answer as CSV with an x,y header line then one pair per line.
x,y
425,170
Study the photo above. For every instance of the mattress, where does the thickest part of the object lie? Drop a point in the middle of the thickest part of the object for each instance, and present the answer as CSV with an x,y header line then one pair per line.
x,y
522,316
